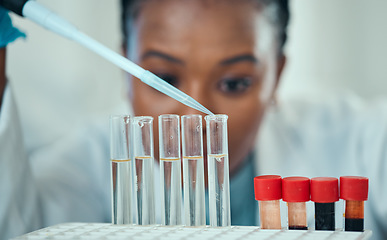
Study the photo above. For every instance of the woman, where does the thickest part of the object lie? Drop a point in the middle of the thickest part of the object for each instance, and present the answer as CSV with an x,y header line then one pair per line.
x,y
228,56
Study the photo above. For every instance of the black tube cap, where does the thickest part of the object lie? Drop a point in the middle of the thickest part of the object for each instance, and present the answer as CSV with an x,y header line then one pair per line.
x,y
15,6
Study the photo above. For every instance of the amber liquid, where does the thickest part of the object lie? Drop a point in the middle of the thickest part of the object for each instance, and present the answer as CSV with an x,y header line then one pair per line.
x,y
270,216
297,216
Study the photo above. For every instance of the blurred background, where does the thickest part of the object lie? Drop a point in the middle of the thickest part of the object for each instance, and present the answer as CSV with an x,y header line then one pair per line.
x,y
334,46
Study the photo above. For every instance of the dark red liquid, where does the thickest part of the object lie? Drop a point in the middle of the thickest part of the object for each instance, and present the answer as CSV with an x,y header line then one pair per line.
x,y
324,216
354,224
298,228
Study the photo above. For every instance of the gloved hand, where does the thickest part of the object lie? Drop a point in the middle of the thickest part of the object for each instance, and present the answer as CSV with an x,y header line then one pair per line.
x,y
8,33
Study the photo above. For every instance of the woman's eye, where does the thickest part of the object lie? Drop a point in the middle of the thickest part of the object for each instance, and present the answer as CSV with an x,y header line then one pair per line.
x,y
235,85
169,78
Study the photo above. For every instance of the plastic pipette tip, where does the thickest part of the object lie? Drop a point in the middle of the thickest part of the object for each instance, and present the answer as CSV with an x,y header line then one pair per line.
x,y
195,105
205,110
192,103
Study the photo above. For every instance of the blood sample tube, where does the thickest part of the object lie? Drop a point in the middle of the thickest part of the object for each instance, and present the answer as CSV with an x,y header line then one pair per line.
x,y
268,191
354,190
324,192
295,191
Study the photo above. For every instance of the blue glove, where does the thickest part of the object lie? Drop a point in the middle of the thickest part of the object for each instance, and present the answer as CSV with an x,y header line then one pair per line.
x,y
8,33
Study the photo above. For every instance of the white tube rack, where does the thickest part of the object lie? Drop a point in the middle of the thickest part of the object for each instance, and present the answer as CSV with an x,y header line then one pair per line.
x,y
110,231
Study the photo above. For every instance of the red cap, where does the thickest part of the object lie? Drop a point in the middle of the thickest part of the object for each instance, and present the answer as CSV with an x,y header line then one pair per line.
x,y
354,188
295,189
324,189
268,187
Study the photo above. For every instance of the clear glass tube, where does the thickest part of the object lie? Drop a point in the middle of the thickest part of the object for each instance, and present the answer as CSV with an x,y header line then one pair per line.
x,y
193,170
121,167
143,153
218,170
170,169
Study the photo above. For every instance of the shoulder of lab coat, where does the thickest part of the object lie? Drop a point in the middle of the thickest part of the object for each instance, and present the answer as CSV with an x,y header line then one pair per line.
x,y
19,206
73,176
339,136
65,181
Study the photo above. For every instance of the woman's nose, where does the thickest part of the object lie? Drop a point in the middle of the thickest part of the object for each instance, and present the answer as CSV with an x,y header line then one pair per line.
x,y
198,92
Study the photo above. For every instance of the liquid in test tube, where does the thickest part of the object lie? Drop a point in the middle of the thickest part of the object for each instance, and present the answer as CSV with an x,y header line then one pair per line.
x,y
170,169
324,192
218,170
121,167
142,128
354,190
295,191
193,170
268,191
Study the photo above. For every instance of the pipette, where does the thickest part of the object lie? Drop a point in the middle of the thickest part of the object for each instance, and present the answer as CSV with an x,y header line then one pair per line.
x,y
51,21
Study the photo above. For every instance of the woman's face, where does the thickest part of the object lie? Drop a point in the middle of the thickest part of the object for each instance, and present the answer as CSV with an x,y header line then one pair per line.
x,y
221,53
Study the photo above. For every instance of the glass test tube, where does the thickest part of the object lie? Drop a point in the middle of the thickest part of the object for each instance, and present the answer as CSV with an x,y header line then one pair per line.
x,y
354,190
218,170
193,170
268,191
170,169
295,191
143,170
324,192
121,166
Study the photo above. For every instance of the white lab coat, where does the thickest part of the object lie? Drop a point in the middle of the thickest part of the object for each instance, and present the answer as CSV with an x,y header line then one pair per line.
x,y
66,181
69,180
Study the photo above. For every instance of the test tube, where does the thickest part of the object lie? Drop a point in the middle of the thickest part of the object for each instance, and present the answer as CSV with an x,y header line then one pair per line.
x,y
218,171
170,169
193,170
354,190
143,170
295,191
268,191
121,167
324,192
